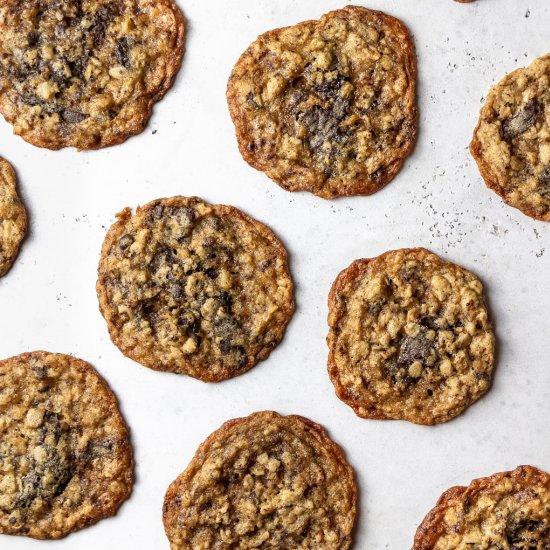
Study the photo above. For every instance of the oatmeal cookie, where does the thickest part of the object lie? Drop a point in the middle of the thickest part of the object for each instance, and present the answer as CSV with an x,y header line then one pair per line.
x,y
65,453
86,73
264,481
13,217
409,337
194,288
511,142
509,510
328,106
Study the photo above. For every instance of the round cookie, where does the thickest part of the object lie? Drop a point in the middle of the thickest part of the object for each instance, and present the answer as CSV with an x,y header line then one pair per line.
x,y
328,106
65,453
13,217
194,288
511,143
86,73
409,337
509,510
264,481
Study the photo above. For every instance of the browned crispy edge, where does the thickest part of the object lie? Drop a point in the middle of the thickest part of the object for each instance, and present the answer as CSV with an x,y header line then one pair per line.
x,y
345,277
169,509
111,404
464,1
7,170
172,68
491,181
432,527
364,185
106,310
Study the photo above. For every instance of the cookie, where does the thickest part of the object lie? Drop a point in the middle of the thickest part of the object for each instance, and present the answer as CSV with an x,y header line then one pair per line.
x,y
86,73
511,142
409,337
65,454
13,217
328,106
509,510
264,481
194,288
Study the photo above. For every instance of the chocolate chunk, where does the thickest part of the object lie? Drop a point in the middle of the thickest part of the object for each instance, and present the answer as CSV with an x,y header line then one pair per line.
x,y
72,117
417,348
122,52
211,273
544,183
526,534
522,121
125,242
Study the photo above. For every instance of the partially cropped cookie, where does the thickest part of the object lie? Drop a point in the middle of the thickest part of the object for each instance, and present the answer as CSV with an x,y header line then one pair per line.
x,y
264,481
13,217
86,73
409,337
509,510
194,288
328,106
65,453
511,142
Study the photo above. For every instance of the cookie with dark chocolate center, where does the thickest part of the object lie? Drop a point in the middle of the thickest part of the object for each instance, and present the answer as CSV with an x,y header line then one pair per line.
x,y
409,337
328,106
194,288
511,142
86,73
507,510
264,481
65,453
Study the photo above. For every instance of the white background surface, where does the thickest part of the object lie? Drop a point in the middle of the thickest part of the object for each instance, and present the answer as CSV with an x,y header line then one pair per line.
x,y
438,200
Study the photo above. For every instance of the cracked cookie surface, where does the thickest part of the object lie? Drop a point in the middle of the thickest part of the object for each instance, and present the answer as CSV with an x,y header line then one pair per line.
x,y
86,73
13,217
194,288
65,453
511,142
409,337
328,106
508,510
264,481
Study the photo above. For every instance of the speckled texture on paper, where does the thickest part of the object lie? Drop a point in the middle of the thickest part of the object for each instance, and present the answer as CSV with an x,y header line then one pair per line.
x,y
65,454
509,511
511,143
86,73
264,481
409,337
194,288
13,217
328,106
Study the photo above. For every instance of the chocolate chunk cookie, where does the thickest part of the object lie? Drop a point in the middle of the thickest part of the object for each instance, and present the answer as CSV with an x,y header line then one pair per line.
x,y
409,337
511,143
509,510
65,454
328,106
86,73
13,217
194,288
264,481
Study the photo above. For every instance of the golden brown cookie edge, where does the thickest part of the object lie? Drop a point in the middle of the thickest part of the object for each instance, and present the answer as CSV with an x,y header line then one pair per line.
x,y
490,179
363,186
169,511
114,233
7,170
347,276
173,66
430,529
114,410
